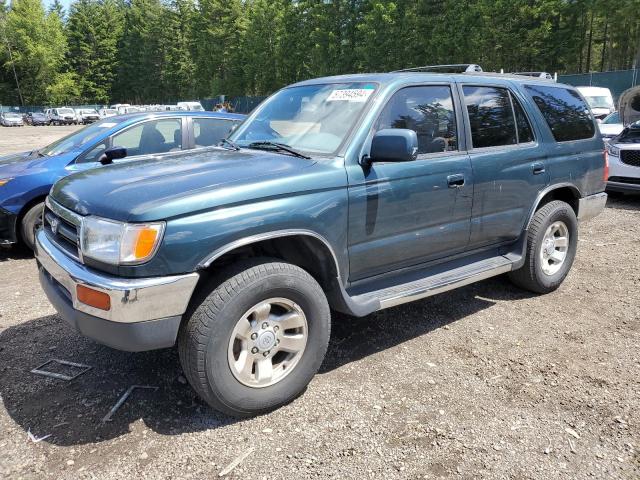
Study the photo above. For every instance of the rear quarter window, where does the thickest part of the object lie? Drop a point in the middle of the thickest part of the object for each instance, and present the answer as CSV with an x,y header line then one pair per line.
x,y
565,112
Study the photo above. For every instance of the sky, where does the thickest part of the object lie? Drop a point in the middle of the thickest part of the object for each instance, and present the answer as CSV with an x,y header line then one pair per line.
x,y
65,3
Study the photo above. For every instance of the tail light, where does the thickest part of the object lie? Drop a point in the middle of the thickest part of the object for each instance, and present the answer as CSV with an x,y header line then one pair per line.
x,y
606,166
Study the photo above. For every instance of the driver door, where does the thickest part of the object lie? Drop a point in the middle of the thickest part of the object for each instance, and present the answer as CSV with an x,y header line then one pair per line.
x,y
407,213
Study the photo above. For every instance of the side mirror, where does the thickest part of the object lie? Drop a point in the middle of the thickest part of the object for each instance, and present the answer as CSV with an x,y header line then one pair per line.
x,y
393,145
111,154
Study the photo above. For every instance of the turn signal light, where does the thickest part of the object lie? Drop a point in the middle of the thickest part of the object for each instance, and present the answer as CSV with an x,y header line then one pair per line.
x,y
93,298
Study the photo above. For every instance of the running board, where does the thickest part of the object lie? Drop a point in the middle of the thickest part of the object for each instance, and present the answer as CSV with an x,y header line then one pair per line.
x,y
441,282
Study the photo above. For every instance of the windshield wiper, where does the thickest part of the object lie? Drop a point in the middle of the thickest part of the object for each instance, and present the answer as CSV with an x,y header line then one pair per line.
x,y
228,142
277,147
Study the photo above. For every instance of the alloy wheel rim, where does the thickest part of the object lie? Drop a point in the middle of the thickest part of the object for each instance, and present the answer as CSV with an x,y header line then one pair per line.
x,y
267,342
555,246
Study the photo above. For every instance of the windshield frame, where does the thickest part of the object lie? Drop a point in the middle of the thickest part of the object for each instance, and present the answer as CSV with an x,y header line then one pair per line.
x,y
313,154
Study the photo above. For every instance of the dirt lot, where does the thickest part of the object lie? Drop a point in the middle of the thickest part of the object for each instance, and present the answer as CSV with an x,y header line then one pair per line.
x,y
484,382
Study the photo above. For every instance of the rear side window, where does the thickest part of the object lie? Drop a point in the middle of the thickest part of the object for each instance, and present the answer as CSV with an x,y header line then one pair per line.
x,y
524,127
490,116
564,110
209,131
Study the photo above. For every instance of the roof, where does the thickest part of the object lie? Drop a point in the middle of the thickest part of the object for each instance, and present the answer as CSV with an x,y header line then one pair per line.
x,y
393,77
185,113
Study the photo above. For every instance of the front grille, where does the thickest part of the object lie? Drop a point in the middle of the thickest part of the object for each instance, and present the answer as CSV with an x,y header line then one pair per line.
x,y
630,157
63,228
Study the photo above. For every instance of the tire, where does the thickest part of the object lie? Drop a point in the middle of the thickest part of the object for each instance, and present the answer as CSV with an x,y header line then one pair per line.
x,y
536,274
30,221
206,348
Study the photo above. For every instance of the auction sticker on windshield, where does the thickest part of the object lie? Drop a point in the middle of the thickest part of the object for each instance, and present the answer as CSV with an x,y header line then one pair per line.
x,y
350,95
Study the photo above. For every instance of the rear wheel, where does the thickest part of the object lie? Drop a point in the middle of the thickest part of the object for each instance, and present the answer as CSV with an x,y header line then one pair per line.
x,y
30,222
256,339
552,240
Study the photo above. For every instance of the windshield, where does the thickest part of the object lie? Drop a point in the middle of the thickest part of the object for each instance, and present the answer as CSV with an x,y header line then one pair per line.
x,y
89,112
599,102
11,115
79,138
313,118
110,111
611,119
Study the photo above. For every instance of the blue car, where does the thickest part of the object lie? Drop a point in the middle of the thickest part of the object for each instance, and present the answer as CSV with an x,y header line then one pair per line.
x,y
26,178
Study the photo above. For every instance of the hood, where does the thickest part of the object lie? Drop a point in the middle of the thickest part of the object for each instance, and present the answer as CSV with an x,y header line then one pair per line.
x,y
27,162
630,106
154,189
629,136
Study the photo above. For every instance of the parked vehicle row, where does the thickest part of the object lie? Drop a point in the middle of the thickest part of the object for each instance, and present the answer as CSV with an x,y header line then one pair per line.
x,y
352,193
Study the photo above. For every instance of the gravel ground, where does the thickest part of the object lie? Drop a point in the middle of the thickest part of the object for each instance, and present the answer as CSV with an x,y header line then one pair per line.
x,y
487,381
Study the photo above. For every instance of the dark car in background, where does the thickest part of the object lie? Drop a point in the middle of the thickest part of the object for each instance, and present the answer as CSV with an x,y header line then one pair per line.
x,y
26,178
35,119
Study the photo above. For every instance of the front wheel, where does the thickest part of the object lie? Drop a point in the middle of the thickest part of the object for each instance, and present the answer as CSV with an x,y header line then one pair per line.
x,y
256,339
30,222
552,241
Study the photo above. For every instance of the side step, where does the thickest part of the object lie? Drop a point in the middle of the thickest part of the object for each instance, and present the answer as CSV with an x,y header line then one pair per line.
x,y
438,283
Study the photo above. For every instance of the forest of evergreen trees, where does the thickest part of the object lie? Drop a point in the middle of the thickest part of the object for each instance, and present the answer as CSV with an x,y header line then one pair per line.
x,y
147,51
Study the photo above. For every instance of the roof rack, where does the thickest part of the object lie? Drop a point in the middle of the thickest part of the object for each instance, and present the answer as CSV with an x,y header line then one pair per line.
x,y
453,68
546,75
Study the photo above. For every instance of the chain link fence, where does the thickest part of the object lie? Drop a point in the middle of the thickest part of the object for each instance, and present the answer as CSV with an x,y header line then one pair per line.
x,y
616,81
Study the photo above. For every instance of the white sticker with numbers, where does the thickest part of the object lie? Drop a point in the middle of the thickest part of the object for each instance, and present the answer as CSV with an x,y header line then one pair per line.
x,y
350,95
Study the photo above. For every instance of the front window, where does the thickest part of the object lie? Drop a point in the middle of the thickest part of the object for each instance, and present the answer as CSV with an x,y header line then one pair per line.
x,y
599,101
152,137
315,118
428,111
78,139
210,131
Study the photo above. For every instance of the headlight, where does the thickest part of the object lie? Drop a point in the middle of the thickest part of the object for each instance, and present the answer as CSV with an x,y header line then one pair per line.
x,y
120,243
4,181
615,151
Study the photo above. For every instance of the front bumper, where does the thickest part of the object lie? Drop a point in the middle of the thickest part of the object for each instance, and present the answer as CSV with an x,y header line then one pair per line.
x,y
623,177
145,313
591,206
7,227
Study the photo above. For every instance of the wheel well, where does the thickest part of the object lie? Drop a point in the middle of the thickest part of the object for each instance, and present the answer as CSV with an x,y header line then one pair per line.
x,y
305,251
565,194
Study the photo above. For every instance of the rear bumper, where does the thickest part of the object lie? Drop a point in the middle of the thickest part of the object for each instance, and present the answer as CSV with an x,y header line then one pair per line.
x,y
7,227
145,313
591,206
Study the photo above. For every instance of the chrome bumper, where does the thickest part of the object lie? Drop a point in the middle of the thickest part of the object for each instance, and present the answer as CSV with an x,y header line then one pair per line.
x,y
132,300
591,206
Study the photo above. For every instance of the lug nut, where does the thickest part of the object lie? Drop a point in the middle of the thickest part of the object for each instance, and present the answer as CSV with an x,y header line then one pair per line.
x,y
254,350
265,325
254,336
266,353
276,328
277,341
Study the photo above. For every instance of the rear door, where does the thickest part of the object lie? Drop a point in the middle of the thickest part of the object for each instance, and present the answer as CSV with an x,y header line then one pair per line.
x,y
508,163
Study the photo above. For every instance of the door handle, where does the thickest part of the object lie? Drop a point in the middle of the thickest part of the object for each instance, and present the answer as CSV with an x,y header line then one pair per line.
x,y
455,181
538,168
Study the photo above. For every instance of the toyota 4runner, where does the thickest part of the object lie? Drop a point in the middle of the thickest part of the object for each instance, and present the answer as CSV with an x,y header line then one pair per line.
x,y
352,193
